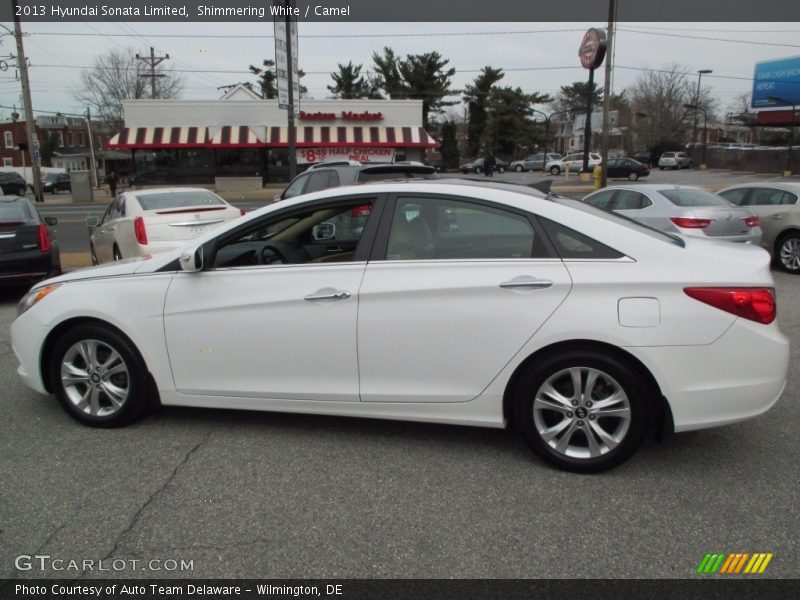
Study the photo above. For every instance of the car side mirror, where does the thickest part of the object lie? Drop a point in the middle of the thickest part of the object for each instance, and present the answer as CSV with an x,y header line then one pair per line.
x,y
191,260
92,221
51,221
324,231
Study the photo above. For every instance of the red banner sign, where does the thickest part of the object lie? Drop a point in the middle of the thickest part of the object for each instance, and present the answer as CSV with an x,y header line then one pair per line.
x,y
364,155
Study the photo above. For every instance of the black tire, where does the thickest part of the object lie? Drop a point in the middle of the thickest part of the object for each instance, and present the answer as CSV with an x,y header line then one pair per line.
x,y
633,176
614,372
136,379
518,168
117,255
478,170
783,255
93,254
501,169
554,170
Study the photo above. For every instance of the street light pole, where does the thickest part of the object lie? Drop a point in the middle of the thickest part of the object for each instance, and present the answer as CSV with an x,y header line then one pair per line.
x,y
546,132
695,108
696,102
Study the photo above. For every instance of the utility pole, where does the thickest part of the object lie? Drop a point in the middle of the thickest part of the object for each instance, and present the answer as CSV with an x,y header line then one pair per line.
x,y
290,85
91,145
612,9
26,94
153,61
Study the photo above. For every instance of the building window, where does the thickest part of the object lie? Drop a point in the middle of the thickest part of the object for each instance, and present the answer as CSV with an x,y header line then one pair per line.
x,y
8,162
80,138
9,139
60,139
69,139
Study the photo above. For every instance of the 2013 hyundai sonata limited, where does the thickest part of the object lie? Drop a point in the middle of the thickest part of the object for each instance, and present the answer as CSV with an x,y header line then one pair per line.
x,y
441,301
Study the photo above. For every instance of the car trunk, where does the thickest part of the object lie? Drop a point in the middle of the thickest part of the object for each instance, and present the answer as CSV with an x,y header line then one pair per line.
x,y
186,223
18,236
725,220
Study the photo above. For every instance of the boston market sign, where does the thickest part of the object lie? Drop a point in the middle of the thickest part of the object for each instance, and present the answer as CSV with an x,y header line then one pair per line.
x,y
593,48
345,115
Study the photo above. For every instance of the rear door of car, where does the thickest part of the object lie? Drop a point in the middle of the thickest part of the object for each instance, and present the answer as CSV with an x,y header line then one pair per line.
x,y
773,207
454,288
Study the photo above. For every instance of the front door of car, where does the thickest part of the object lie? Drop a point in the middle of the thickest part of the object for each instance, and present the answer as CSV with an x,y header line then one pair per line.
x,y
273,315
455,289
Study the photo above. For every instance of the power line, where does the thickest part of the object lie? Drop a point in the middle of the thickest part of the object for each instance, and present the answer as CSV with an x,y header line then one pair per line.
x,y
709,39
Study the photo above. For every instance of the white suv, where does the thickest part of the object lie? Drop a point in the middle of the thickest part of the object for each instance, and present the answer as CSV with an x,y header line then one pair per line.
x,y
573,161
674,160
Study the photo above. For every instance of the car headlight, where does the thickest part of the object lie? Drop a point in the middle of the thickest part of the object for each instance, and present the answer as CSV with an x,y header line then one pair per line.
x,y
34,296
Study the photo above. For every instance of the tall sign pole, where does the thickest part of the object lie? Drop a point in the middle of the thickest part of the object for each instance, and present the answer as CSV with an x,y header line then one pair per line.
x,y
591,52
612,9
26,94
287,72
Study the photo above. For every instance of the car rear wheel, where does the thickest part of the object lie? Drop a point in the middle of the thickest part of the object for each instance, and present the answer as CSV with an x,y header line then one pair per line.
x,y
518,168
478,170
99,377
788,252
633,176
501,169
555,170
582,411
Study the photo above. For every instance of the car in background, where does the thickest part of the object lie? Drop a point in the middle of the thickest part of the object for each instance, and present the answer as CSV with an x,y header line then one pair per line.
x,y
687,210
324,176
626,167
574,162
476,166
12,183
776,205
645,159
583,329
674,160
29,252
142,222
52,183
535,162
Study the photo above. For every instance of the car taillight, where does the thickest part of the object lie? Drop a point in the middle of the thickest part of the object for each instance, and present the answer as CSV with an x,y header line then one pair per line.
x,y
691,222
140,231
755,304
242,212
752,221
44,238
361,211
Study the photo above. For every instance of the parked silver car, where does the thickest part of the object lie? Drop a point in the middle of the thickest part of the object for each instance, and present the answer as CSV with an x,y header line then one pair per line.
x,y
535,162
687,210
674,160
776,204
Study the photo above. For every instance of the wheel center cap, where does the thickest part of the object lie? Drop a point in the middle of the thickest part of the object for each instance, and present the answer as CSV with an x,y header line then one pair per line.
x,y
95,378
580,412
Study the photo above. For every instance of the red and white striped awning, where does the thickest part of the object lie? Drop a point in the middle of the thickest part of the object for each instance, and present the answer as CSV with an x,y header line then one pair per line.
x,y
322,136
240,136
159,137
236,136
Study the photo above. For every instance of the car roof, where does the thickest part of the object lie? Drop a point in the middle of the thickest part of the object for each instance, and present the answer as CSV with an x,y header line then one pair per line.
x,y
163,190
789,186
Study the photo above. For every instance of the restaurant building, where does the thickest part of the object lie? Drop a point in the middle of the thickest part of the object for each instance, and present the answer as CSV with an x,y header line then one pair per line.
x,y
246,137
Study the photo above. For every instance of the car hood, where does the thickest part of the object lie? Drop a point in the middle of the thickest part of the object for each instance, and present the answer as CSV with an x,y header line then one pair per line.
x,y
127,266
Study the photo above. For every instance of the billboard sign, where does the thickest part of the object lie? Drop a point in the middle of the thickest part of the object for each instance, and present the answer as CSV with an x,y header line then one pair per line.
x,y
282,60
776,79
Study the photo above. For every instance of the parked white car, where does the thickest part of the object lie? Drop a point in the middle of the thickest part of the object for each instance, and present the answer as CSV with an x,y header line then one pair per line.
x,y
141,222
574,162
455,302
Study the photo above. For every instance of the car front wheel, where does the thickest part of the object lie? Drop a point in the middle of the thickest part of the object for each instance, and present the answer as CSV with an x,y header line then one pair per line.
x,y
788,252
501,169
99,377
518,168
633,176
582,411
555,170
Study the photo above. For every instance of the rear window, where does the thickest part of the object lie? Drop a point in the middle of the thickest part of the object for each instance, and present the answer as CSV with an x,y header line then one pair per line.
x,y
668,154
687,197
14,211
179,199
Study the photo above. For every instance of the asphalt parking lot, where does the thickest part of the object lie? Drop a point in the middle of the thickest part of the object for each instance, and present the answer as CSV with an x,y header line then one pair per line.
x,y
273,495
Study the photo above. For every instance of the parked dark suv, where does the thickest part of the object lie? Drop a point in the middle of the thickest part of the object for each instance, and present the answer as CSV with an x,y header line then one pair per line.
x,y
12,184
321,177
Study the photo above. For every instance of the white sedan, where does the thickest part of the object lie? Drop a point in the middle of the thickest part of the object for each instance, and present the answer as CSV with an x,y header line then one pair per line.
x,y
443,301
142,222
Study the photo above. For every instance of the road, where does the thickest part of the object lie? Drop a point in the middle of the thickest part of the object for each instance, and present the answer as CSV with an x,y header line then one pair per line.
x,y
274,495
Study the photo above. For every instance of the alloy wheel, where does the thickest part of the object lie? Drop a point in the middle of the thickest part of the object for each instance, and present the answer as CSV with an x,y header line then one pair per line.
x,y
790,254
95,378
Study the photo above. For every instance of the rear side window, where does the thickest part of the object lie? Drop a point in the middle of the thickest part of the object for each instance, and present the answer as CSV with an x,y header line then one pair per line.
x,y
690,197
601,199
770,197
318,181
572,244
629,200
178,199
735,196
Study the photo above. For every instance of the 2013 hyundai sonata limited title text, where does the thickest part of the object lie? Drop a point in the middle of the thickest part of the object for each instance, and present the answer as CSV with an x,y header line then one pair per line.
x,y
445,301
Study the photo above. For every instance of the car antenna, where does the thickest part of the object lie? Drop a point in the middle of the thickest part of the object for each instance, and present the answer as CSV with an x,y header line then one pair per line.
x,y
542,186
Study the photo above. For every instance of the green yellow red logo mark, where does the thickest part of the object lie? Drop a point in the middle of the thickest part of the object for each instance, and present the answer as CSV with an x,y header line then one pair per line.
x,y
733,563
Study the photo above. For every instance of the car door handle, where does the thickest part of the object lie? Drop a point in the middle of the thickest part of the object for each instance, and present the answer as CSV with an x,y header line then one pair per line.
x,y
776,217
531,284
112,228
328,294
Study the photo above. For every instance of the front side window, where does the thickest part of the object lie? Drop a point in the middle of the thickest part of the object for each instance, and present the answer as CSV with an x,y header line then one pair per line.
x,y
328,234
295,188
628,200
443,229
319,180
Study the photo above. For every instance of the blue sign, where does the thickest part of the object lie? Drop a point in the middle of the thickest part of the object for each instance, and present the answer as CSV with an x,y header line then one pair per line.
x,y
779,79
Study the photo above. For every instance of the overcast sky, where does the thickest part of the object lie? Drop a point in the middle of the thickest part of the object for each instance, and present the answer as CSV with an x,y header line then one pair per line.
x,y
53,57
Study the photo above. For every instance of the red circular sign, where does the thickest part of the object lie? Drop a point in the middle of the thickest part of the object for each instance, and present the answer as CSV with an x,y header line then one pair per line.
x,y
593,48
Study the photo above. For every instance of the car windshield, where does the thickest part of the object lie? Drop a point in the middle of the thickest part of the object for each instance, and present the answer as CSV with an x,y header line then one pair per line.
x,y
690,197
50,176
14,211
668,154
620,220
178,199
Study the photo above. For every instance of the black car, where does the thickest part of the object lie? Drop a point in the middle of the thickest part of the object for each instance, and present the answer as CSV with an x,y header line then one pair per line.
x,y
28,250
626,167
12,183
53,183
476,166
321,176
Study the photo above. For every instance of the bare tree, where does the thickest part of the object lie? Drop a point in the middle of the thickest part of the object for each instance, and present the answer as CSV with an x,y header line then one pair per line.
x,y
117,75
